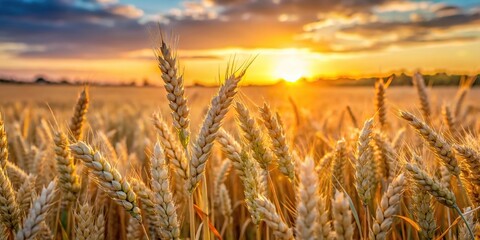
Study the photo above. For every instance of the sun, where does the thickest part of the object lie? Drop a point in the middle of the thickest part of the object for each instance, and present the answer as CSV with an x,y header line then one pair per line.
x,y
290,68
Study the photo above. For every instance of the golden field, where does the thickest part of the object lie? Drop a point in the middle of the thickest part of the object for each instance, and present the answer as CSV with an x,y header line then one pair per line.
x,y
280,162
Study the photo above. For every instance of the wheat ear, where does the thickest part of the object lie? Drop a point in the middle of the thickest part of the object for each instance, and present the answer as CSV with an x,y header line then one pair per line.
x,y
380,102
225,204
99,228
253,136
15,173
149,205
398,140
277,136
472,159
83,222
68,178
339,160
108,178
26,193
435,141
387,154
433,186
342,218
220,177
419,84
306,225
364,166
3,145
79,115
448,119
212,122
272,219
164,198
389,206
173,152
424,213
167,62
38,212
9,209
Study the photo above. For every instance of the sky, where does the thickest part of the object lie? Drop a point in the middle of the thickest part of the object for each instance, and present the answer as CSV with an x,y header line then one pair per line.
x,y
113,40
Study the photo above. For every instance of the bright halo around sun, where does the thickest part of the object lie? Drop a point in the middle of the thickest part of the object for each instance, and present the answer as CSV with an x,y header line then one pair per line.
x,y
291,68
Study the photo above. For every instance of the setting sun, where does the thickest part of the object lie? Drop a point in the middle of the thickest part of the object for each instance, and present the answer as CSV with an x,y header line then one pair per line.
x,y
291,68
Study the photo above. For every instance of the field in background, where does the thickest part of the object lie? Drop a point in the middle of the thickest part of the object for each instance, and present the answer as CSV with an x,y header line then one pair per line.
x,y
316,123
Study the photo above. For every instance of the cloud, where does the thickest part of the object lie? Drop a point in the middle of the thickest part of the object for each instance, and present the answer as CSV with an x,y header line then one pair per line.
x,y
107,28
69,29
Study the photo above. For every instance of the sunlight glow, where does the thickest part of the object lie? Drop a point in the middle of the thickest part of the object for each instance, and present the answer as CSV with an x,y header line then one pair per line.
x,y
291,68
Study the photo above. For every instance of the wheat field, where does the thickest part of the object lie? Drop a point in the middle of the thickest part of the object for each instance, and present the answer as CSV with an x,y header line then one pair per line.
x,y
282,162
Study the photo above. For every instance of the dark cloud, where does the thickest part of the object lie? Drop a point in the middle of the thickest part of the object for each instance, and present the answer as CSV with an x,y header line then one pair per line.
x,y
63,29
